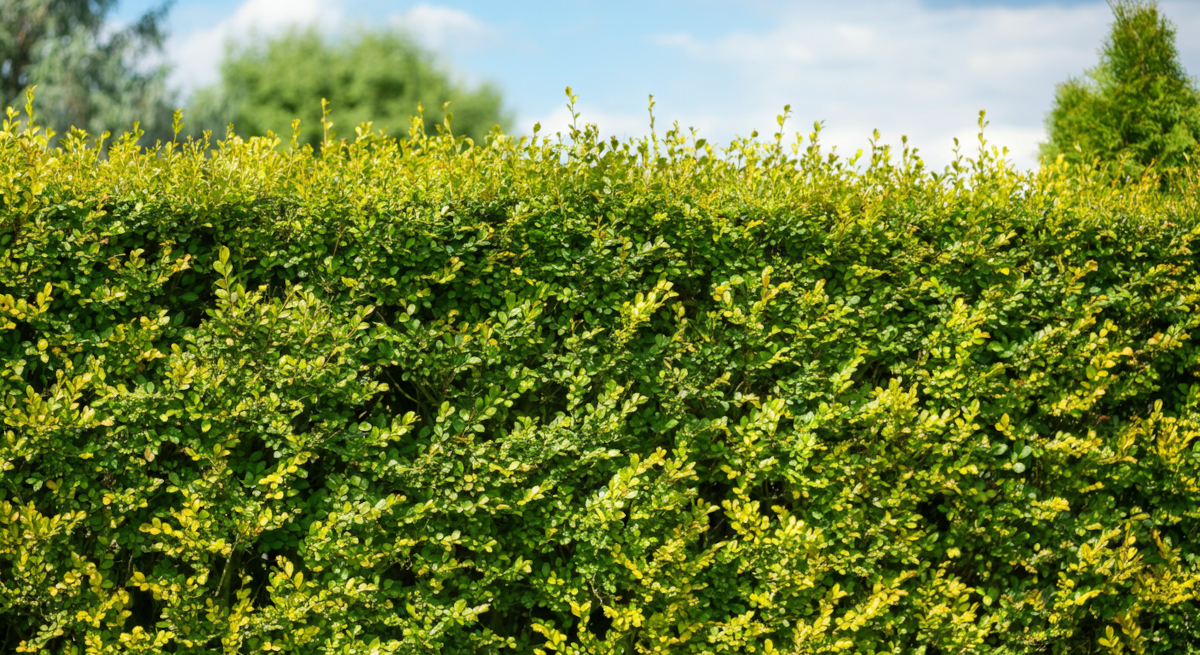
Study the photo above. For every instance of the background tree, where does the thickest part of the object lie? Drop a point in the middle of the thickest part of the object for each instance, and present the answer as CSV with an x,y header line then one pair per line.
x,y
371,76
88,74
1138,103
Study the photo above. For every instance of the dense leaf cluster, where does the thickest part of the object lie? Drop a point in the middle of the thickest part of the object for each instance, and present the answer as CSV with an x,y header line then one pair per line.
x,y
565,395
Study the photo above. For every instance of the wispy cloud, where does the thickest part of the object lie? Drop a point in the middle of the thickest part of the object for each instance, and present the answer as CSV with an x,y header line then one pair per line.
x,y
446,29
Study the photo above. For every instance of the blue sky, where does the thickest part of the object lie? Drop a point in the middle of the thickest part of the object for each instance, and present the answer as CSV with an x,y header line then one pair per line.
x,y
921,68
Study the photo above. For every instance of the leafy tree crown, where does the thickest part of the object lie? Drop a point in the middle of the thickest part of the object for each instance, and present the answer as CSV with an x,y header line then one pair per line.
x,y
379,76
87,74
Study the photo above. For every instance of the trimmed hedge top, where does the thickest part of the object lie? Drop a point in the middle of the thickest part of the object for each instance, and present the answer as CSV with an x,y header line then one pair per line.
x,y
583,396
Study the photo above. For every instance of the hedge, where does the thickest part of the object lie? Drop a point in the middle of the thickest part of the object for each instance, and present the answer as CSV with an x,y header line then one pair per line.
x,y
572,395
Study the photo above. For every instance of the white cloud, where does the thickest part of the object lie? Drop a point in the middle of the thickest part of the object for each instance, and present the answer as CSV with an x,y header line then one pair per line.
x,y
905,68
197,54
446,29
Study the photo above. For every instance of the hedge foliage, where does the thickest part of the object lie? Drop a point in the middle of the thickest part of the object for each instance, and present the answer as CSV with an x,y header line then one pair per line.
x,y
570,395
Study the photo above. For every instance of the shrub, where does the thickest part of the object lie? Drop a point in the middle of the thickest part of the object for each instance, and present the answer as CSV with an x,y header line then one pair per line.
x,y
582,396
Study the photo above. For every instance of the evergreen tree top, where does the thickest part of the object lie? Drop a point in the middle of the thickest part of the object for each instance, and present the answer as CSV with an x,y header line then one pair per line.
x,y
1137,108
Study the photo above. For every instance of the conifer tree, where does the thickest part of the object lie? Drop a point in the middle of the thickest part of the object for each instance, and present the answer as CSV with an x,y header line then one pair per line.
x,y
1137,107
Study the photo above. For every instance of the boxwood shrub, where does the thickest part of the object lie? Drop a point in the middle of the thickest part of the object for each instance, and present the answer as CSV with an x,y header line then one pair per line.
x,y
572,395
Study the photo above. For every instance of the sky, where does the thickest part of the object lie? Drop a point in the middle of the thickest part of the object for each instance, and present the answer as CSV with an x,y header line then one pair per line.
x,y
918,68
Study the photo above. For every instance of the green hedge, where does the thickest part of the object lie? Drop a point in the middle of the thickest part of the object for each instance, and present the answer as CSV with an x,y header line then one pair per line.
x,y
583,396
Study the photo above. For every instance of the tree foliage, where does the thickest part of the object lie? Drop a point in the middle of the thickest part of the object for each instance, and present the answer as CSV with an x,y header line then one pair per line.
x,y
378,76
1138,106
87,75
